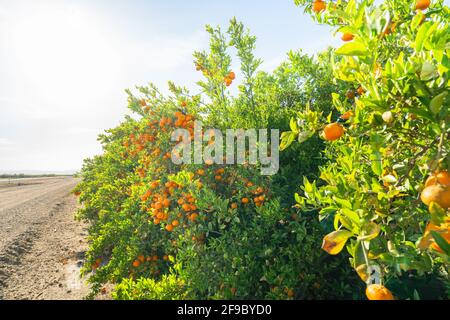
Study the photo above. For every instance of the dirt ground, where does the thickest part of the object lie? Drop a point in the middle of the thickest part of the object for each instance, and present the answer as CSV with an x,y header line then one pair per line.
x,y
41,245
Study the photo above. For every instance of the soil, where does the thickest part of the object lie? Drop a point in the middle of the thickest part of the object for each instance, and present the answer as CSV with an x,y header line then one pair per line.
x,y
42,246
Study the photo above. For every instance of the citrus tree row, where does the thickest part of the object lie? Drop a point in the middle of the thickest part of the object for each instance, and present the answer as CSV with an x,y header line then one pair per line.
x,y
207,231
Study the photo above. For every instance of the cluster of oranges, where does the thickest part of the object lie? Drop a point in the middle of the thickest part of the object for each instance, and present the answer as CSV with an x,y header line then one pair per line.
x,y
437,189
150,261
187,203
228,80
164,199
257,192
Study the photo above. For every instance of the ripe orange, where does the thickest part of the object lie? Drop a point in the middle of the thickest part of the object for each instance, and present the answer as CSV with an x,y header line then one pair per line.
x,y
422,4
360,90
169,227
442,178
218,178
231,75
234,205
347,115
183,103
347,37
378,292
175,223
319,6
166,203
136,263
333,131
436,193
141,258
228,82
200,172
186,207
245,200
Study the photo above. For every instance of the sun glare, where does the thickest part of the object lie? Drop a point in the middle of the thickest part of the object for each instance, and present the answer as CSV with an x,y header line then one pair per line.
x,y
61,52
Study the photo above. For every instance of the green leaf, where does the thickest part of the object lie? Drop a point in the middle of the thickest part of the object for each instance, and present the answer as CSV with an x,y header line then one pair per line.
x,y
354,48
428,71
286,139
293,125
438,214
376,163
303,136
343,203
369,232
436,103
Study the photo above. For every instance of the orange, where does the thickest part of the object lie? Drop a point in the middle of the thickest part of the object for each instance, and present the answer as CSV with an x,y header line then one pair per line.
x,y
186,207
136,263
228,82
200,172
166,203
319,6
347,37
347,115
442,178
360,90
231,75
333,131
422,4
378,292
245,200
169,227
218,178
290,293
183,103
436,193
234,205
141,258
175,223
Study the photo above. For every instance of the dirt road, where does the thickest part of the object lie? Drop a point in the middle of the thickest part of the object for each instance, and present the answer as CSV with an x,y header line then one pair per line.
x,y
41,245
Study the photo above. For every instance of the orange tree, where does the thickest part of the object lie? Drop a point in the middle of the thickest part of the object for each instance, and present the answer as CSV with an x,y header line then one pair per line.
x,y
164,231
392,135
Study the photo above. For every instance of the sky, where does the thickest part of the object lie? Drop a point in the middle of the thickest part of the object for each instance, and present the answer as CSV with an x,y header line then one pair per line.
x,y
64,64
